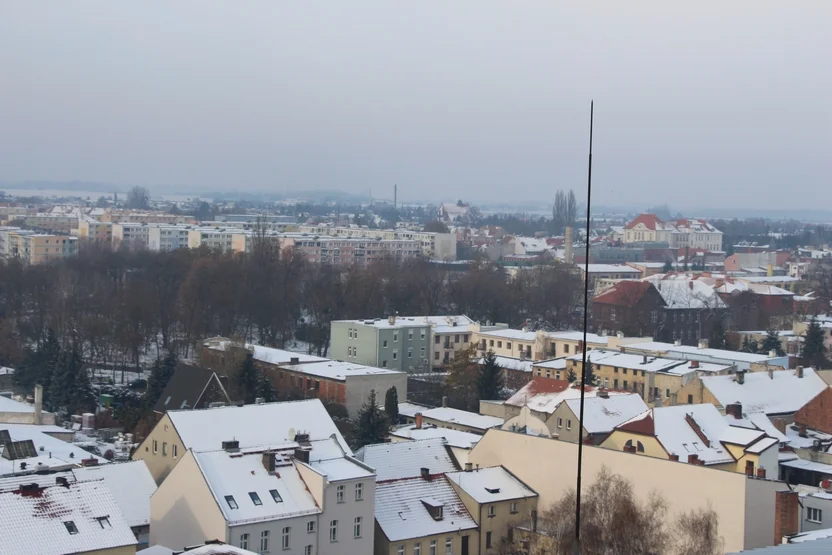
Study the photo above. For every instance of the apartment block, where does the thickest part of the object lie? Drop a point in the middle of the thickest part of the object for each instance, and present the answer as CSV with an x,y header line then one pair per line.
x,y
35,248
396,343
436,246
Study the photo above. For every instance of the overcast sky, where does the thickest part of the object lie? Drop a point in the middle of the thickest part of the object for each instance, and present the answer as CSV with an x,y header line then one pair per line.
x,y
698,105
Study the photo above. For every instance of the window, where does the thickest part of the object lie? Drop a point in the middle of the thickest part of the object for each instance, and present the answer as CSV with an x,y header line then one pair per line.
x,y
449,546
410,352
339,493
491,342
624,370
422,352
284,537
508,346
615,384
396,337
104,522
164,448
310,527
264,541
640,447
560,422
230,500
155,446
436,339
566,349
175,450
410,335
513,507
356,527
400,550
70,527
488,539
432,550
465,338
417,549
612,314
814,515
422,335
255,498
307,550
499,344
395,355
568,424
333,530
384,364
359,491
625,384
436,355
350,333
654,316
492,511
384,343
243,541
690,399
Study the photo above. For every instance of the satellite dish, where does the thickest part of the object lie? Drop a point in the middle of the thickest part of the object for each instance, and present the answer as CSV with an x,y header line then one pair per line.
x,y
291,434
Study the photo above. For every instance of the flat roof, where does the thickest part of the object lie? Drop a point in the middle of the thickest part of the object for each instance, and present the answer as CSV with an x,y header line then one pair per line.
x,y
337,369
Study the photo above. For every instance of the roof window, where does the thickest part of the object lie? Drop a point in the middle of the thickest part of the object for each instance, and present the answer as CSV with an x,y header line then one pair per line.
x,y
104,522
231,502
276,496
492,490
255,498
70,527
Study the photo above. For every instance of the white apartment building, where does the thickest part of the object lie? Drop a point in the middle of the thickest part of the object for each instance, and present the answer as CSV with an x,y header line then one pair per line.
x,y
437,246
168,237
298,498
693,233
130,234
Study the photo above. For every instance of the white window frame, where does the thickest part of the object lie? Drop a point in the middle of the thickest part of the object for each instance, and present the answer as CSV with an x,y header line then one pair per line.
x,y
339,493
285,536
244,541
356,527
813,514
264,541
359,491
333,531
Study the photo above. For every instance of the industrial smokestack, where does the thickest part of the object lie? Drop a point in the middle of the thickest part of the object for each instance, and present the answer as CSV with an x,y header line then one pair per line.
x,y
567,240
38,404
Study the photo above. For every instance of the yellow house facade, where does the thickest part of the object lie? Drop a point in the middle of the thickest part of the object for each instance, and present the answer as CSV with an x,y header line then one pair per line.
x,y
161,449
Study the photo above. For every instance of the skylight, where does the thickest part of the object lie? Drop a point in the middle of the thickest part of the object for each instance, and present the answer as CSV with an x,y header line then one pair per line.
x,y
276,496
70,527
255,498
230,500
104,521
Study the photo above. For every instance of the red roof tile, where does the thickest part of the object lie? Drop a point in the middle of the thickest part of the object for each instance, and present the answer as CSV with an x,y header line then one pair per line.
x,y
640,425
624,293
651,221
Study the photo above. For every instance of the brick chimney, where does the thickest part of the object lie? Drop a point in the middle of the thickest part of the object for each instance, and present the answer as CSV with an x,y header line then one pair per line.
x,y
693,458
695,427
802,431
694,364
799,372
418,418
673,457
268,461
734,409
761,473
786,515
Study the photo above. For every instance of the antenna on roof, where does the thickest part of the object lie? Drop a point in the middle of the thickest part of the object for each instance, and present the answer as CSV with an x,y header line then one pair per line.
x,y
577,544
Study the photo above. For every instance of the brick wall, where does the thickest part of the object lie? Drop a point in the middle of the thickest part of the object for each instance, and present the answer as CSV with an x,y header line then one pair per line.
x,y
786,515
817,413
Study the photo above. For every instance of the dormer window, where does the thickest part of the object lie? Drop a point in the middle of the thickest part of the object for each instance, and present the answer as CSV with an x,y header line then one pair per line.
x,y
435,508
255,498
492,490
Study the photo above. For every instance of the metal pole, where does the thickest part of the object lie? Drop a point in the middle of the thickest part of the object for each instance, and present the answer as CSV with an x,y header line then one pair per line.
x,y
577,544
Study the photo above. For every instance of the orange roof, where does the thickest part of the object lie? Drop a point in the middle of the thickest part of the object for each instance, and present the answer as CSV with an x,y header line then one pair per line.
x,y
651,221
624,293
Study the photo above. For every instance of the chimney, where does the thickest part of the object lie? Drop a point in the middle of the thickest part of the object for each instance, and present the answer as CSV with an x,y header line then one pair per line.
x,y
674,457
761,473
92,461
302,455
232,446
734,409
802,432
772,353
418,419
694,364
268,461
703,344
567,243
690,284
740,377
38,404
391,319
786,515
693,458
468,467
294,361
425,473
677,343
644,359
799,372
771,373
603,394
444,401
826,485
62,481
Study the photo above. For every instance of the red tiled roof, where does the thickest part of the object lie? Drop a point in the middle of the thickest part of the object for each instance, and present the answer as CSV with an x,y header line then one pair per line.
x,y
651,221
546,385
643,425
624,293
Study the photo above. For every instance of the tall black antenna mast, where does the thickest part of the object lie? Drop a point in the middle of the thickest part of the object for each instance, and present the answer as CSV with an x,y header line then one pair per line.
x,y
577,544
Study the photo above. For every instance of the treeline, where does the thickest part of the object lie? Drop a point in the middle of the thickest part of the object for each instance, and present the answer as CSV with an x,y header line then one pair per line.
x,y
123,309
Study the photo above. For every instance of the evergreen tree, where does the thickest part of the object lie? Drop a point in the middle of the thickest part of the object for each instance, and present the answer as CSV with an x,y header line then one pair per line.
x,y
772,343
589,375
265,389
717,337
160,375
668,267
490,378
391,405
570,376
39,365
749,345
248,380
372,423
814,351
70,387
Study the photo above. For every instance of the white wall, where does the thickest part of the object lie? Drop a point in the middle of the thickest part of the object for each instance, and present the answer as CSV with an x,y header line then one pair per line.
x,y
345,514
298,537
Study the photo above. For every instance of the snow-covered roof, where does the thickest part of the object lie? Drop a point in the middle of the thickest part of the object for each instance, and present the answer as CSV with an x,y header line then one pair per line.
x,y
463,418
271,355
812,466
510,334
10,405
782,393
405,459
384,323
131,484
489,485
759,421
511,363
254,425
401,512
635,362
693,353
591,338
337,370
823,547
687,293
601,414
454,438
52,453
243,488
445,324
611,269
408,409
77,518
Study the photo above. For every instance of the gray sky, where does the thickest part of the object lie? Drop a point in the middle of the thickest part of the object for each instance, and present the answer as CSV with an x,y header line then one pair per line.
x,y
698,105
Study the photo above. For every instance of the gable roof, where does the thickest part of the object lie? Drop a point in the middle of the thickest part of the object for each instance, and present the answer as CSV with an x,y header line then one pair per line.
x,y
650,221
131,485
463,418
782,393
454,438
401,512
488,485
254,425
405,459
186,387
34,521
603,414
624,293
